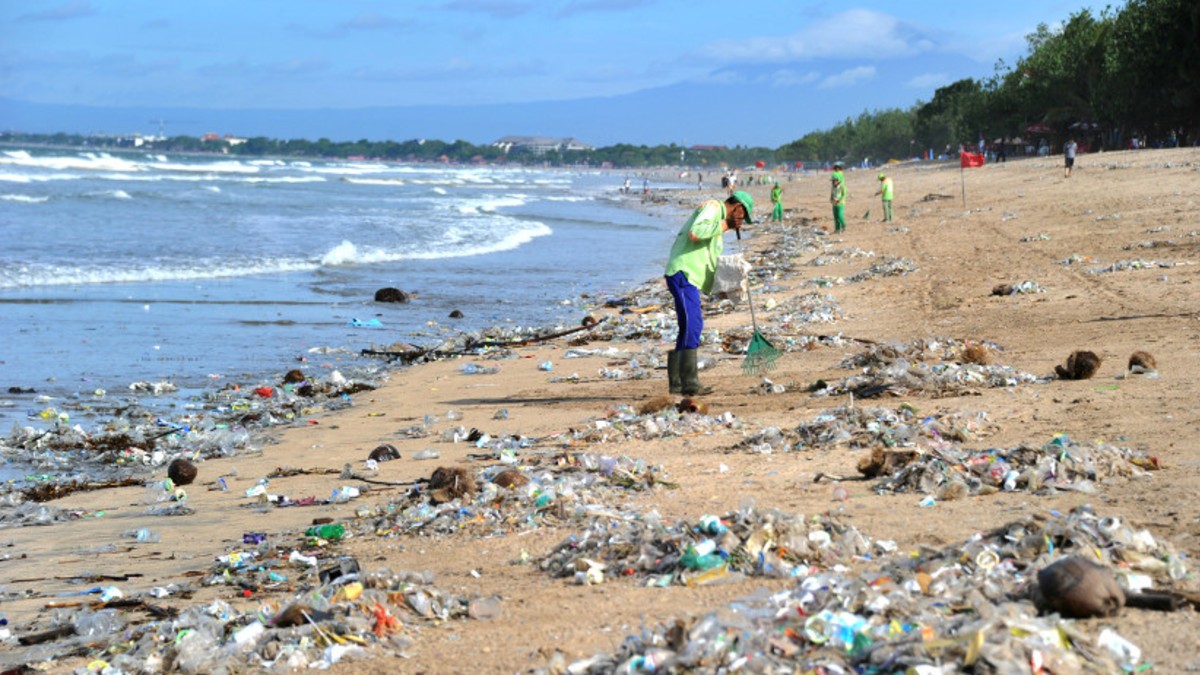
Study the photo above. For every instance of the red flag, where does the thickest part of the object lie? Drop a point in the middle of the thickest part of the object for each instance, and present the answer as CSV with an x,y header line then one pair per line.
x,y
970,159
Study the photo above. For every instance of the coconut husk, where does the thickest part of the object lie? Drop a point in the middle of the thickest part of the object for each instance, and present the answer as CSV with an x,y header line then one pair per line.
x,y
510,478
1078,588
1081,365
293,376
656,404
181,471
450,483
883,462
977,354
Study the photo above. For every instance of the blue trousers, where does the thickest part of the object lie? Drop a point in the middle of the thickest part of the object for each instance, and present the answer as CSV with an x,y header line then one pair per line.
x,y
687,311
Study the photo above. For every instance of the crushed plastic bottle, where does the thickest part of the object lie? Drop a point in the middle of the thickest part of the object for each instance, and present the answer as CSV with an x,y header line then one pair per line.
x,y
331,531
428,453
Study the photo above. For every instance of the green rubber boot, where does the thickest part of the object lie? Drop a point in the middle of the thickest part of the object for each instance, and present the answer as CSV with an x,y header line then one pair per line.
x,y
689,373
673,377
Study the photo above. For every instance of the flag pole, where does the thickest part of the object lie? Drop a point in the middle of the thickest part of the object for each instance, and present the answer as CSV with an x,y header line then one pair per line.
x,y
962,174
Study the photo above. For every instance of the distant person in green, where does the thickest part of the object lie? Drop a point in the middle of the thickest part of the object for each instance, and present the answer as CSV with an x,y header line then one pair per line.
x,y
837,197
885,189
691,269
777,200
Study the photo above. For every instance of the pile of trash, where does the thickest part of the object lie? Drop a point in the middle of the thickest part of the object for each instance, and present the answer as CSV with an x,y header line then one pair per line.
x,y
227,422
888,267
857,427
963,607
713,549
835,257
1022,288
947,472
501,499
902,369
304,612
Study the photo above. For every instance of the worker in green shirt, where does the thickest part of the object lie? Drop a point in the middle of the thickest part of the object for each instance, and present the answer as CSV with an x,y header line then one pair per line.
x,y
837,197
885,189
777,200
691,269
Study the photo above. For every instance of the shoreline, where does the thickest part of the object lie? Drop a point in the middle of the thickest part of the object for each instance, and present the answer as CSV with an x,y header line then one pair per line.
x,y
712,459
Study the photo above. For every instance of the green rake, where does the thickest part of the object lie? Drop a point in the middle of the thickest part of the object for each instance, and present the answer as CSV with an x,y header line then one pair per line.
x,y
761,354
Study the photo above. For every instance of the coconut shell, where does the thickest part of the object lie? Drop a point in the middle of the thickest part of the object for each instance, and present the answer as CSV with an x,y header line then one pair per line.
x,y
510,478
1078,588
691,404
181,471
1141,361
385,453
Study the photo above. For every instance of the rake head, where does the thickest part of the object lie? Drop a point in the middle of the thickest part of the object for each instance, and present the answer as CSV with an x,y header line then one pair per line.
x,y
760,355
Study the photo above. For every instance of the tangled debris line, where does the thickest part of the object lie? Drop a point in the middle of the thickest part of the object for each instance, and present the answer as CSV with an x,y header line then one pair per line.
x,y
948,472
962,608
1123,265
747,542
130,446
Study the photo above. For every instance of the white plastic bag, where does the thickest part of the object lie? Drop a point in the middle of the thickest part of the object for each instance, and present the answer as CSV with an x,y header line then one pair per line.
x,y
731,278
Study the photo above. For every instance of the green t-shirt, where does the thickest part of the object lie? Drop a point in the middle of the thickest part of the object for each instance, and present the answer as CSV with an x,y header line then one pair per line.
x,y
837,193
698,259
887,189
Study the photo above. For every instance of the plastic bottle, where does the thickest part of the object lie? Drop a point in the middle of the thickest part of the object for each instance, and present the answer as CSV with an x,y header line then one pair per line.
x,y
711,525
428,453
485,609
146,535
331,531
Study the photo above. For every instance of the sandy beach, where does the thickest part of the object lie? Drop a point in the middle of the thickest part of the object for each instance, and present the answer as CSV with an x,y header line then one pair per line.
x,y
1104,261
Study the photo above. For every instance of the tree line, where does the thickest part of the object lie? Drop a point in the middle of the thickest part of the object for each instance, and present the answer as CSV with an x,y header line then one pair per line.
x,y
1103,80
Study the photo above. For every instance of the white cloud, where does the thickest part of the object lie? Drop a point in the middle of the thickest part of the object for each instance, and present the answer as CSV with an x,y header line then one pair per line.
x,y
790,78
928,81
856,33
848,77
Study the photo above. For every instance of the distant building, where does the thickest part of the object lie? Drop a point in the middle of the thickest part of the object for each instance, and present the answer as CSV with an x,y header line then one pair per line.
x,y
540,145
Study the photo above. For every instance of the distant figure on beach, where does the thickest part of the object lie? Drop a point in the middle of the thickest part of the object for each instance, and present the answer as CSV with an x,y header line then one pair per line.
x,y
692,268
885,189
1069,157
725,182
777,200
626,188
837,197
699,181
645,186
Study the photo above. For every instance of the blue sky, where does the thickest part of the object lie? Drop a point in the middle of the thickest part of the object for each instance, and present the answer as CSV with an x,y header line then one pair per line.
x,y
642,71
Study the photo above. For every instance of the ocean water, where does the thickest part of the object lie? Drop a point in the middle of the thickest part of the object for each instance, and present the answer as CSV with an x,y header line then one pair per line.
x,y
123,268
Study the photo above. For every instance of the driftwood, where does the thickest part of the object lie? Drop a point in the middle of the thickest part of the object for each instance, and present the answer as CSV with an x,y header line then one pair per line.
x,y
52,491
470,345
